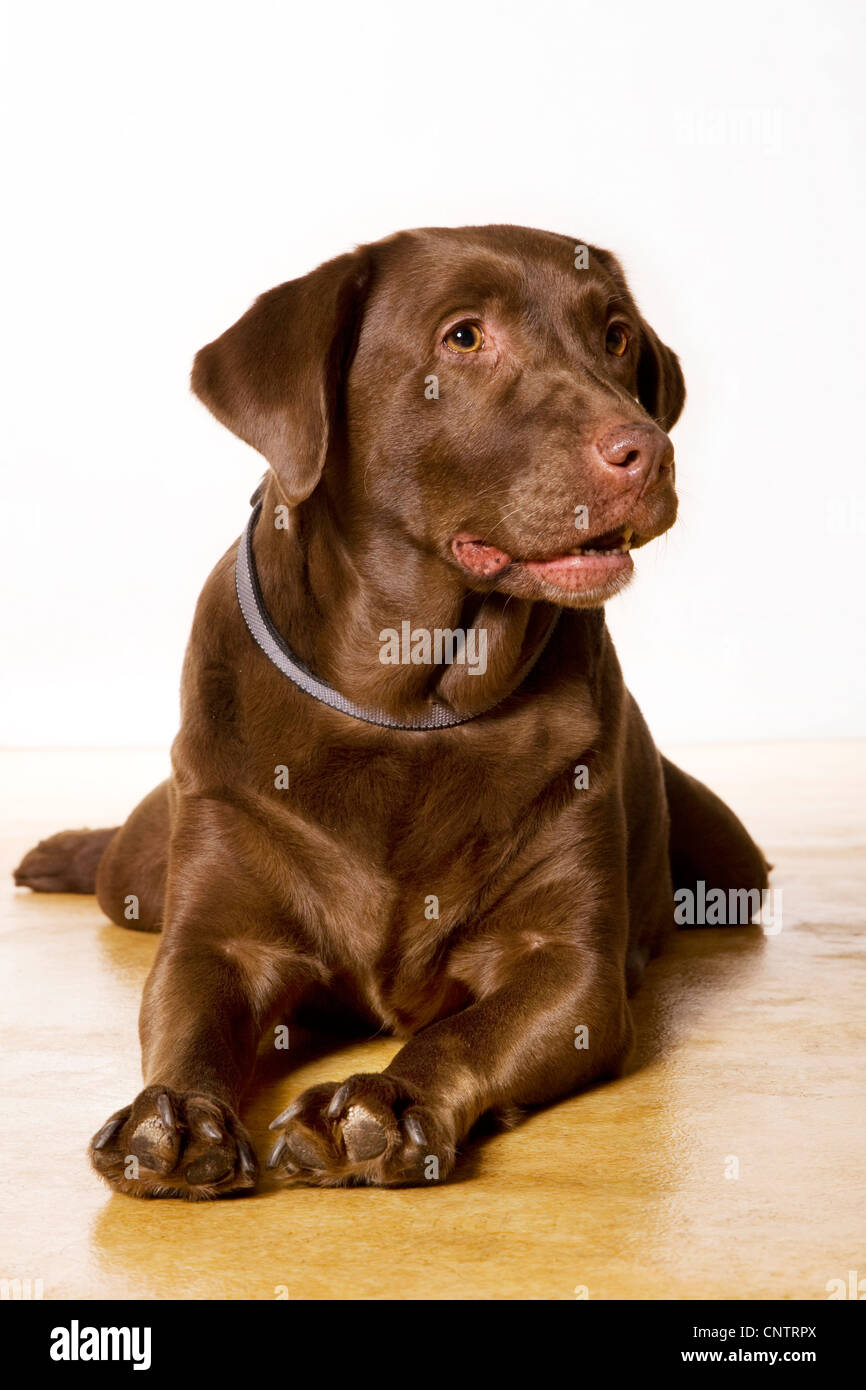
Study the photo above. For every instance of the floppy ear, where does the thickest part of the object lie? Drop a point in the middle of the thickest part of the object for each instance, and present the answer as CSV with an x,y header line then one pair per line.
x,y
273,376
661,388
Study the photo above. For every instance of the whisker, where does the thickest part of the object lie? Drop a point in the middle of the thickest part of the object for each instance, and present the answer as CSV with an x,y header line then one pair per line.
x,y
501,519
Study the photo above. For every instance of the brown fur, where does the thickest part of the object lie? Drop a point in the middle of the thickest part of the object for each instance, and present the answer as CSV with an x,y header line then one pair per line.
x,y
551,899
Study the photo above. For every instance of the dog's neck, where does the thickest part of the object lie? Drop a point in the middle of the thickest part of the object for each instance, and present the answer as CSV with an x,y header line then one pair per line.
x,y
332,595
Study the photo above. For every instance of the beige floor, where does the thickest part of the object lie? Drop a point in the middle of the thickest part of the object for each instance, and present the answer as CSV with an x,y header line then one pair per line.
x,y
751,1048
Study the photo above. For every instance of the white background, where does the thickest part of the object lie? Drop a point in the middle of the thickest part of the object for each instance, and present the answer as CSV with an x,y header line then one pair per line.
x,y
165,163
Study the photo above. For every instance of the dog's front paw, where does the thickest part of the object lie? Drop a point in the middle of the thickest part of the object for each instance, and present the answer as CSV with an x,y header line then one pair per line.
x,y
368,1130
172,1144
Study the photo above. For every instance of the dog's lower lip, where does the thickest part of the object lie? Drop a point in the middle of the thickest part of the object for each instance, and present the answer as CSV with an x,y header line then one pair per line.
x,y
591,569
585,569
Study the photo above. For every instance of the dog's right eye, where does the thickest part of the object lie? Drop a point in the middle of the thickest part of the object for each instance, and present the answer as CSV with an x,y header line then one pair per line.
x,y
464,337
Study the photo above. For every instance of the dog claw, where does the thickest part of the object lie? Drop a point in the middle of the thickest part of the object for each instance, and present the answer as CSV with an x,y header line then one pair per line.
x,y
284,1115
277,1152
246,1158
108,1131
338,1100
415,1130
165,1109
210,1130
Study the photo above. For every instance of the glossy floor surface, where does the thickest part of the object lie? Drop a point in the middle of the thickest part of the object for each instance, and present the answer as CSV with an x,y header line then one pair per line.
x,y
728,1162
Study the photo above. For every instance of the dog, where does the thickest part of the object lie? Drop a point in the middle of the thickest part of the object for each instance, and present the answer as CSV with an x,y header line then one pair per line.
x,y
466,432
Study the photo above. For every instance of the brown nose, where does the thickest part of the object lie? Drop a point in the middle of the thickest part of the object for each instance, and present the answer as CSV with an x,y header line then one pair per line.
x,y
637,451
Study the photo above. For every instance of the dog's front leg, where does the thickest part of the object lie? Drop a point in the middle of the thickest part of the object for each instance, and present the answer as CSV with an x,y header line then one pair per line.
x,y
558,1021
214,985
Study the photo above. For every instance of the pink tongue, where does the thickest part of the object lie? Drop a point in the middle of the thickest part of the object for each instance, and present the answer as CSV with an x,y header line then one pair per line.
x,y
480,559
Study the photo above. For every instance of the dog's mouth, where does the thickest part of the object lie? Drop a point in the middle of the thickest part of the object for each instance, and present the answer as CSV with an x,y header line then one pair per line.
x,y
601,561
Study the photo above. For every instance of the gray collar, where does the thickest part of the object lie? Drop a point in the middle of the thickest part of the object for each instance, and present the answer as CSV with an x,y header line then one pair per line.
x,y
257,619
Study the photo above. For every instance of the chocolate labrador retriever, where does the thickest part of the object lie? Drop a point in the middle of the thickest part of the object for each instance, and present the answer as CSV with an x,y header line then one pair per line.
x,y
409,781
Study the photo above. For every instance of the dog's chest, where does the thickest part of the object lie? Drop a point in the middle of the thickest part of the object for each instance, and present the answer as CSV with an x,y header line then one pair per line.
x,y
391,848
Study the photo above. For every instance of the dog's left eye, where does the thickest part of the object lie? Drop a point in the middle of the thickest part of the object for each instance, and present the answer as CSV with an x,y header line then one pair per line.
x,y
617,340
464,337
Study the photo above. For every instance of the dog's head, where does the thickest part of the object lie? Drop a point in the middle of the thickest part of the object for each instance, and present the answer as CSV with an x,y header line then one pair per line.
x,y
488,395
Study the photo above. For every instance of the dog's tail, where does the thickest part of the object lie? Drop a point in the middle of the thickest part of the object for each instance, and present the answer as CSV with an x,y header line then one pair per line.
x,y
707,841
64,863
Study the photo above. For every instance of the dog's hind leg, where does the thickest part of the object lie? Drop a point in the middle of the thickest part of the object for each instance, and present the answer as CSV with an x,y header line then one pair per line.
x,y
707,841
125,866
64,863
